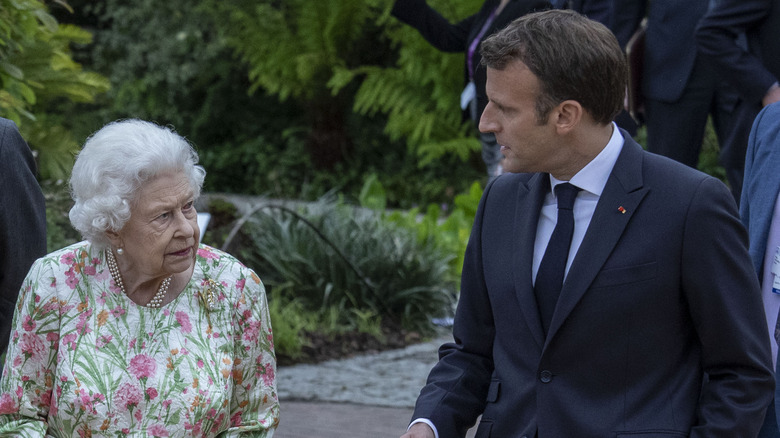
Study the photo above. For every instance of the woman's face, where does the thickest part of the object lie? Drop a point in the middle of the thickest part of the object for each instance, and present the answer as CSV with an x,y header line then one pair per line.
x,y
161,237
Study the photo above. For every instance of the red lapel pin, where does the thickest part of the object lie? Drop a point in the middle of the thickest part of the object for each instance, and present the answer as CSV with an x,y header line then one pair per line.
x,y
622,210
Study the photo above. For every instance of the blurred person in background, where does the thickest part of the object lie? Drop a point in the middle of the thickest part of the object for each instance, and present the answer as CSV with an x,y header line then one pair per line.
x,y
22,221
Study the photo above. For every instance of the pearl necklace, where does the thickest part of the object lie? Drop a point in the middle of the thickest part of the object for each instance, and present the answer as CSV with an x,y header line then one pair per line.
x,y
113,268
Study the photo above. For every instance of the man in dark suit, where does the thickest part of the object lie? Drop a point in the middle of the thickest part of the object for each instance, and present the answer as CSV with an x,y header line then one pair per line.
x,y
648,321
752,66
680,87
22,221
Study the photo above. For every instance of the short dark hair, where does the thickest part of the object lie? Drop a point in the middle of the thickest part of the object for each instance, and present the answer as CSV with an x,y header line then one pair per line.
x,y
572,56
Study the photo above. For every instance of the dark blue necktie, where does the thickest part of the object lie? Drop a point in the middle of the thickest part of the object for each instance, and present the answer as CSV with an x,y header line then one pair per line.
x,y
549,278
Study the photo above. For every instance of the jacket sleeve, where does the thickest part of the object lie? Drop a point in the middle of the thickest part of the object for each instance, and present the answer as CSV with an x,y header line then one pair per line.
x,y
717,35
724,300
456,391
22,220
625,19
437,30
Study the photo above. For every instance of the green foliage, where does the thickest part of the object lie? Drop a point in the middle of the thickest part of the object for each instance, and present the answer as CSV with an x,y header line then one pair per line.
x,y
330,255
289,320
37,72
420,94
450,234
321,52
59,232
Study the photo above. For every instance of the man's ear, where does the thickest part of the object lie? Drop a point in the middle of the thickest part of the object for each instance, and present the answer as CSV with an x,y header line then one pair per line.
x,y
568,115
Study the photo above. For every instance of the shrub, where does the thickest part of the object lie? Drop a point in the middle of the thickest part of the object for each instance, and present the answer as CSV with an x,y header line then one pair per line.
x,y
330,255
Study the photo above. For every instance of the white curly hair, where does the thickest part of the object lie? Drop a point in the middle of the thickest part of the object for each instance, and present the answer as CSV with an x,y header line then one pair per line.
x,y
117,160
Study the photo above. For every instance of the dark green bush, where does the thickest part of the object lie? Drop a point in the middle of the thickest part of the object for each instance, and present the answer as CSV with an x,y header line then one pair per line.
x,y
330,255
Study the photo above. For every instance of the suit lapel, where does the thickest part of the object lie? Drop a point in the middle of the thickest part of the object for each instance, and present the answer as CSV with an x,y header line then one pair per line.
x,y
620,199
529,205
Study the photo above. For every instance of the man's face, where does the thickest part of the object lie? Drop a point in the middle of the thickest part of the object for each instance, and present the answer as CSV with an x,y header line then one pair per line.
x,y
527,145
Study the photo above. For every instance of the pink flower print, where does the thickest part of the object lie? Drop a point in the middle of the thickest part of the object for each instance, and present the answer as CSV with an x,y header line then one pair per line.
x,y
117,312
268,375
184,320
252,331
200,363
72,281
235,420
89,270
33,347
206,254
7,404
166,312
114,288
132,343
157,430
68,258
142,366
138,415
52,337
104,340
151,393
167,403
240,284
69,340
82,327
127,395
29,324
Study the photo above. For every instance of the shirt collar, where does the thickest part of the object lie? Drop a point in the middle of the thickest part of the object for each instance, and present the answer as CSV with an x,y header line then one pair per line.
x,y
593,177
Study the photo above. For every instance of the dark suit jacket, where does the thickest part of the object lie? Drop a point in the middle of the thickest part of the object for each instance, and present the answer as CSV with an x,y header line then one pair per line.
x,y
22,221
670,47
456,37
598,10
660,292
750,71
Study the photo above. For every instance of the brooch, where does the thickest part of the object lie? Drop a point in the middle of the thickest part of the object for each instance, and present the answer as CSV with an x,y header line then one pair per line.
x,y
208,296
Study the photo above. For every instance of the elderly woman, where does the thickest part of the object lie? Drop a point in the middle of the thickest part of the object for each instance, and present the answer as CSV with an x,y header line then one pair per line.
x,y
139,330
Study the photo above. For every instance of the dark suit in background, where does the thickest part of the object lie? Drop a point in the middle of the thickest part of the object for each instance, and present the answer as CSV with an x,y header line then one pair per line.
x,y
456,38
22,221
681,89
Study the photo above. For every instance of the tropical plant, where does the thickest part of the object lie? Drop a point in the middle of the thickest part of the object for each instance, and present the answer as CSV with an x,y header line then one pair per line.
x,y
347,55
37,72
331,255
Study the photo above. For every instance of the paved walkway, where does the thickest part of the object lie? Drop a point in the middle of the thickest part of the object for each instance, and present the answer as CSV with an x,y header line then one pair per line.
x,y
369,396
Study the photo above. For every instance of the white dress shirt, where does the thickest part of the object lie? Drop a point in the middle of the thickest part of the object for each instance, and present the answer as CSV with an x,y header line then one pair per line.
x,y
591,179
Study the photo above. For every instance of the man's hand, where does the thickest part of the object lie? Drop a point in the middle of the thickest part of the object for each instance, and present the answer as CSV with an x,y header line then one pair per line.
x,y
419,430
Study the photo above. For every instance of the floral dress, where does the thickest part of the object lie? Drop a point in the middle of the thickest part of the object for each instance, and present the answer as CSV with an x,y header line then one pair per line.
x,y
84,360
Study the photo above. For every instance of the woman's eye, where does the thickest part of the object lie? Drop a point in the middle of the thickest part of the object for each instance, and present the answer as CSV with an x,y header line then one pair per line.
x,y
188,206
163,216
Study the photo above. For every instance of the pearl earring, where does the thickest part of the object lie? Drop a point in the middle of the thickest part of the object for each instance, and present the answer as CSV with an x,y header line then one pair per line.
x,y
120,251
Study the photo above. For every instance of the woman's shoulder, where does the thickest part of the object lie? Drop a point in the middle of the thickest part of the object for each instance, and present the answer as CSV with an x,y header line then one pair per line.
x,y
217,263
214,256
217,267
70,254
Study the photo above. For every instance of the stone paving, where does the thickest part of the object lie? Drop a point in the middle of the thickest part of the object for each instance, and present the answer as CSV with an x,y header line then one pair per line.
x,y
390,378
369,396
